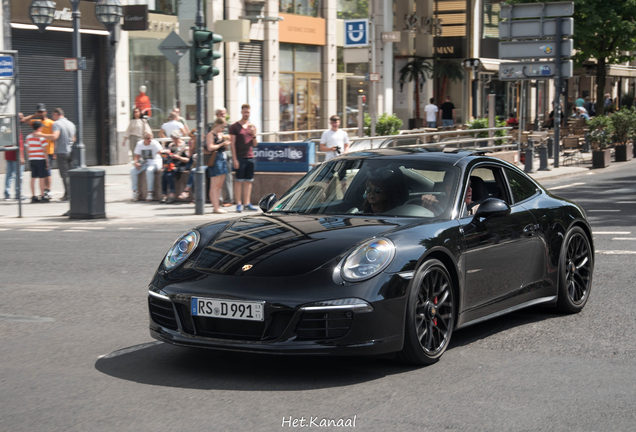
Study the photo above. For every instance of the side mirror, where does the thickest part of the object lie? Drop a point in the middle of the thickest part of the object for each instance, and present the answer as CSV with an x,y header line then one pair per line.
x,y
267,202
492,207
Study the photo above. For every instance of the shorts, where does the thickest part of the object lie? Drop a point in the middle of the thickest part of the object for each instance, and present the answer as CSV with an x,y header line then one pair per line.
x,y
431,124
219,167
38,168
48,171
447,122
245,171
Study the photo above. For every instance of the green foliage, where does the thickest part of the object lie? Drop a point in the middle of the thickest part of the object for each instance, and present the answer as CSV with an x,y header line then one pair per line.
x,y
448,69
623,125
627,100
386,125
417,70
353,9
482,123
601,131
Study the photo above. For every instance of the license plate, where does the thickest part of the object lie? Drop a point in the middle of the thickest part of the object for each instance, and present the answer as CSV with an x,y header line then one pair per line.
x,y
240,310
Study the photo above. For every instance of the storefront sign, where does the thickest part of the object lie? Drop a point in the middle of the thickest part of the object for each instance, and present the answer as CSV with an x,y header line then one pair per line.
x,y
284,157
63,14
135,18
423,25
302,29
159,26
394,36
447,47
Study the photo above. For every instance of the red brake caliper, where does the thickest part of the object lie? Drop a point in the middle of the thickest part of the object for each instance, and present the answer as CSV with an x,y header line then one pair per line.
x,y
435,302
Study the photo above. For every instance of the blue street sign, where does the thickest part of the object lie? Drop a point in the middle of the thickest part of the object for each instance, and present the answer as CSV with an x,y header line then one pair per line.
x,y
7,69
356,33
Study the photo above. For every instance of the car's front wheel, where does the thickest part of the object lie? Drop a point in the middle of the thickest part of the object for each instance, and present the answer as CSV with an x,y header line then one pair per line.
x,y
576,265
430,314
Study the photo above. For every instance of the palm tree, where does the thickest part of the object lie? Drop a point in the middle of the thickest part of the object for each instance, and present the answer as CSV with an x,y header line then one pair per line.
x,y
416,70
447,70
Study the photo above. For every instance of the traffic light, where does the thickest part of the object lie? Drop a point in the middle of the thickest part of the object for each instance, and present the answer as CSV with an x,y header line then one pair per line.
x,y
202,55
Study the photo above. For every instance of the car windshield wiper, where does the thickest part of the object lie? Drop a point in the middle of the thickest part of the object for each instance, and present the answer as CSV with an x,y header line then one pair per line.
x,y
285,211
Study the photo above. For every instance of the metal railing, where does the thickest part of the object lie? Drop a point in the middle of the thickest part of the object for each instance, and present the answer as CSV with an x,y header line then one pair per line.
x,y
301,132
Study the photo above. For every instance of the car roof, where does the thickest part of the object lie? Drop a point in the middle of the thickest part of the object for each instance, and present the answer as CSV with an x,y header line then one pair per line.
x,y
460,158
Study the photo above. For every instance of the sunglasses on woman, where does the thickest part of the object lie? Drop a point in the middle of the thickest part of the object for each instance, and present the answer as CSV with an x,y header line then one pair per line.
x,y
376,189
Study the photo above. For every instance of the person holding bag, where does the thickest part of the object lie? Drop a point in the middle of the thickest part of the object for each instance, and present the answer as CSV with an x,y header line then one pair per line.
x,y
216,144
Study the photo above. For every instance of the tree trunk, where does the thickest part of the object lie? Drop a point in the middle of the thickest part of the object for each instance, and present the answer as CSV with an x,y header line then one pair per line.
x,y
601,75
442,96
417,96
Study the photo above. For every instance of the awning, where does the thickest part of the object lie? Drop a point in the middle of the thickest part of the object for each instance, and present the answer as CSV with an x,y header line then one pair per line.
x,y
621,71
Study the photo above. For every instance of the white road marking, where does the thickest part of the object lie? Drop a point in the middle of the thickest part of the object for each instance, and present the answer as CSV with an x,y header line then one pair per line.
x,y
73,230
127,228
616,252
566,186
624,238
36,230
4,229
129,350
24,318
625,202
613,232
589,211
88,227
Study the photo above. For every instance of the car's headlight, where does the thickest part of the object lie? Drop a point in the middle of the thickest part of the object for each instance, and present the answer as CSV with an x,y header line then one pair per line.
x,y
367,260
181,249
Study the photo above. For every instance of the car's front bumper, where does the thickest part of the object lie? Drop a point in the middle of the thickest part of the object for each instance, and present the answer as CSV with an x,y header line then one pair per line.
x,y
291,324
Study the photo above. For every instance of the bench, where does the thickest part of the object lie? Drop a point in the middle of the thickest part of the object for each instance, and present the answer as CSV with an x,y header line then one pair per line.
x,y
179,186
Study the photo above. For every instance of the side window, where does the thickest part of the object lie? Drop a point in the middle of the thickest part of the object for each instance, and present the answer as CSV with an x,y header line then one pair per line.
x,y
521,187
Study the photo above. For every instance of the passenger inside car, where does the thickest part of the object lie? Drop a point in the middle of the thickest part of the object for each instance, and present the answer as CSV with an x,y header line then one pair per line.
x,y
385,190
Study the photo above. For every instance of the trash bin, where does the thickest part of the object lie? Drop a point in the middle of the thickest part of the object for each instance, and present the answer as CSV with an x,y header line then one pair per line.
x,y
88,198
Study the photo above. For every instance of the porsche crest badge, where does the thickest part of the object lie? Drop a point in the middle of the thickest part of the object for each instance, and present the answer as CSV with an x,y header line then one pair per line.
x,y
246,267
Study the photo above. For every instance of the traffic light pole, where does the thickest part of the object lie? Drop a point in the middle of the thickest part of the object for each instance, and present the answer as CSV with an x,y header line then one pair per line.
x,y
199,176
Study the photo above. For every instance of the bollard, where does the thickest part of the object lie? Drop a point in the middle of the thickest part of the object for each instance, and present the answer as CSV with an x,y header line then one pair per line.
x,y
529,168
550,148
543,159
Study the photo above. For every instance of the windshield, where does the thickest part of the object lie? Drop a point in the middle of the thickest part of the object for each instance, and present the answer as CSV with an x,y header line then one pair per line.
x,y
375,187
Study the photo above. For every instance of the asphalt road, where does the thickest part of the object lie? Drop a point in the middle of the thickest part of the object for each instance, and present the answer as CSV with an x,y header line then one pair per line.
x,y
75,353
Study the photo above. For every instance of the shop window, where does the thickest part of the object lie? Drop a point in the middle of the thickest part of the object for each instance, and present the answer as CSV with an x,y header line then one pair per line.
x,y
300,7
348,9
490,19
167,7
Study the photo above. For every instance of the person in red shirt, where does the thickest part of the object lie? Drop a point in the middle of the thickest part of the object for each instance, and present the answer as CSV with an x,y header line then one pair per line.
x,y
38,161
242,141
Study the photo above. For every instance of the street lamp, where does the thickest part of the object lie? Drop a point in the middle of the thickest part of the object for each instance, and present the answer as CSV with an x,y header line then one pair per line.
x,y
42,13
474,64
108,12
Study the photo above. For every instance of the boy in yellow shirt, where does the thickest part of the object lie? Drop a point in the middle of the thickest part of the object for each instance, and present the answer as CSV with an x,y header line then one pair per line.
x,y
47,128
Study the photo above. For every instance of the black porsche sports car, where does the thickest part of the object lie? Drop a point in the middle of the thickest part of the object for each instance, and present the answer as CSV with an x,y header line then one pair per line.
x,y
375,252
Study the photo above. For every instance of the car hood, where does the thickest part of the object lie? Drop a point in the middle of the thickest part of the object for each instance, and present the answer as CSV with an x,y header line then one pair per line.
x,y
286,245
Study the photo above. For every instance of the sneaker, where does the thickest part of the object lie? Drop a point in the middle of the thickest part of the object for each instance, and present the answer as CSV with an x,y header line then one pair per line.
x,y
45,199
63,199
35,199
250,207
7,198
170,200
47,196
239,208
149,197
219,211
163,200
135,196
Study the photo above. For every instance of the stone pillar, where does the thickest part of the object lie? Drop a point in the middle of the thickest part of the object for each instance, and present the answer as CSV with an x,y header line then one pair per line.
x,y
403,97
329,82
232,12
387,58
122,92
424,47
271,66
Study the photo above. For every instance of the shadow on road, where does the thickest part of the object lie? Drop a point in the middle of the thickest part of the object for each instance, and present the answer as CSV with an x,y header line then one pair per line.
x,y
165,365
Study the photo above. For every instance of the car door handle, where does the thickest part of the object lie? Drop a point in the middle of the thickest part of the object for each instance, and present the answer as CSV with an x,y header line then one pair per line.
x,y
529,230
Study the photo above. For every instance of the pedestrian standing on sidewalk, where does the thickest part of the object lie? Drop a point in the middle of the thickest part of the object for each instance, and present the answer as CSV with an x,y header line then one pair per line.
x,y
47,128
64,136
227,192
15,168
431,114
334,141
448,113
38,160
170,126
216,142
243,140
147,158
136,129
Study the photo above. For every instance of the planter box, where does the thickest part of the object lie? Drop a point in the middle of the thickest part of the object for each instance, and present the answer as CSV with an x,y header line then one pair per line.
x,y
601,158
624,152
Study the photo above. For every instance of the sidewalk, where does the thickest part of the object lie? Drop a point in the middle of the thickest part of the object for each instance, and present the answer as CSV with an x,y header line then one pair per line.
x,y
120,209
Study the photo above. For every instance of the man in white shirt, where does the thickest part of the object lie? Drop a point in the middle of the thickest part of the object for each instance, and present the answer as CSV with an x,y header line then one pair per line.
x,y
333,141
171,125
147,158
431,114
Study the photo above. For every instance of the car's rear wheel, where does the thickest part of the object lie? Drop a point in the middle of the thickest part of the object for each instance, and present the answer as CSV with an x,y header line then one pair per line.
x,y
575,271
430,314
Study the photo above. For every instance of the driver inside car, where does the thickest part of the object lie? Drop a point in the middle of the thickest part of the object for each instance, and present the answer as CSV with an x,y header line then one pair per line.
x,y
438,204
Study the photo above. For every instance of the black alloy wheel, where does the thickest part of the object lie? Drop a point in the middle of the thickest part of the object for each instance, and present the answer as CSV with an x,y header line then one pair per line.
x,y
430,315
575,271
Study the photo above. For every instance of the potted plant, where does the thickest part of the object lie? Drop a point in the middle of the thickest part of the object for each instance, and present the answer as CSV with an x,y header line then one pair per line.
x,y
447,70
417,70
386,125
601,131
482,123
623,128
